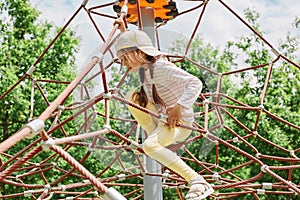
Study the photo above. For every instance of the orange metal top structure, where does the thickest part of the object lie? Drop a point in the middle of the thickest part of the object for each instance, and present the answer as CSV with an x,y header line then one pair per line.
x,y
163,9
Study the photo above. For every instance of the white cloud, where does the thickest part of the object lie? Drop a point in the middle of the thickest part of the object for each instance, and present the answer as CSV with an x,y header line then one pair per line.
x,y
217,26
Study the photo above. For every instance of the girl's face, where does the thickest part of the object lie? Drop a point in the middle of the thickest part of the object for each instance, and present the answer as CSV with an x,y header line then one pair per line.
x,y
133,60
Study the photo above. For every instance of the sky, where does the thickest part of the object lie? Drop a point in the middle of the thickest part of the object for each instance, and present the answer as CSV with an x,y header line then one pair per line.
x,y
218,25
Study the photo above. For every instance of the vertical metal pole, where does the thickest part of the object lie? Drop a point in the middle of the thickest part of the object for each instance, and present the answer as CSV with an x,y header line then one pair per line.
x,y
152,184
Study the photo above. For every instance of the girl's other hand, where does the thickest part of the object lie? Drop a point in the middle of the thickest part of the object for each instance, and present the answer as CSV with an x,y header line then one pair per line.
x,y
121,23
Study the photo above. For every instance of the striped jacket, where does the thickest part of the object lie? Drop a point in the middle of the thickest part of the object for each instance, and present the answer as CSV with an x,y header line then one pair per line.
x,y
173,85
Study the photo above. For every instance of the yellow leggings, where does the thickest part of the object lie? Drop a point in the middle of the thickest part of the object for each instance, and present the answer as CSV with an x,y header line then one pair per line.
x,y
161,135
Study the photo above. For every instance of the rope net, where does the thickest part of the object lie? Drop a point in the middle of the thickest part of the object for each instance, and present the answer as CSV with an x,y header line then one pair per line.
x,y
89,158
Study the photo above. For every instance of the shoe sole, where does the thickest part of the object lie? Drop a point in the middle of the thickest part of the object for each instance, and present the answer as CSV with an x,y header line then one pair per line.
x,y
204,195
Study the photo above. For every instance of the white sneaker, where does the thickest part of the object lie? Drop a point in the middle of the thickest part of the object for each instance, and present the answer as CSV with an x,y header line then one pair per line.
x,y
199,189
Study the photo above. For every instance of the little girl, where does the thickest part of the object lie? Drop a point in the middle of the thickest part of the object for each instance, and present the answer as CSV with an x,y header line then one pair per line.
x,y
168,90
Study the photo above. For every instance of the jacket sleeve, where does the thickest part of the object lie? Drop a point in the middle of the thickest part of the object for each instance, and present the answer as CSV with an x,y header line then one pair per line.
x,y
193,87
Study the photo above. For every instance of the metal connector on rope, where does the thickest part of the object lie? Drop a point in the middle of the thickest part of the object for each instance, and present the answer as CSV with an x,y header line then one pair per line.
x,y
36,126
90,148
267,186
63,187
166,174
134,145
264,167
28,193
107,126
261,191
86,181
216,176
258,155
61,108
107,95
112,194
276,52
121,177
206,134
46,144
54,164
181,186
84,2
206,101
261,107
165,187
235,139
30,70
47,187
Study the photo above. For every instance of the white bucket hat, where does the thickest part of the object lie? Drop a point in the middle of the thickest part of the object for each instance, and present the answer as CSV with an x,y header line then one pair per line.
x,y
135,39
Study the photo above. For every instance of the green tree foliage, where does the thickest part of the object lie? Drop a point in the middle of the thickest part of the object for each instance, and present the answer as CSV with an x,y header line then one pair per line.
x,y
206,55
282,93
23,38
282,96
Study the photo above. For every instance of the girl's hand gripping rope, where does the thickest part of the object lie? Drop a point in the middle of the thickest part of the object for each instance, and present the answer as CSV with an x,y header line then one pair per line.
x,y
174,115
